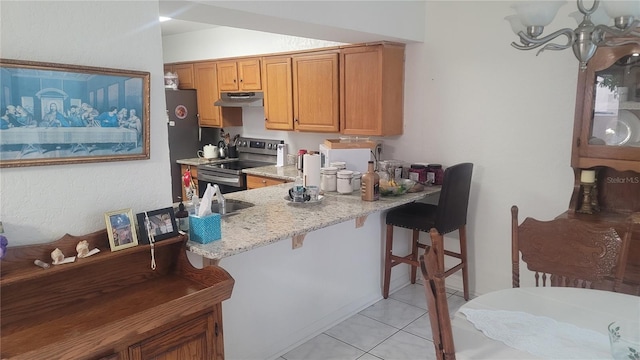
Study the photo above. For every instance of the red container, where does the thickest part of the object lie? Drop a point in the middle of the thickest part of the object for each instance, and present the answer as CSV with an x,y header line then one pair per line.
x,y
418,173
435,174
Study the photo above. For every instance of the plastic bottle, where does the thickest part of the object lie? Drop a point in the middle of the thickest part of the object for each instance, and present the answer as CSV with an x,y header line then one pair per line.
x,y
370,185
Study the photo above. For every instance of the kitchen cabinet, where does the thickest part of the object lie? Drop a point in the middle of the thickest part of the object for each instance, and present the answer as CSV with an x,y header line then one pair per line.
x,y
111,305
239,75
185,74
315,92
256,181
278,93
207,92
371,89
606,138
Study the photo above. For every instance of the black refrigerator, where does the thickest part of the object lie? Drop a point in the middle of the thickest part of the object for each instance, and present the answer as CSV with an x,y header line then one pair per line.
x,y
184,133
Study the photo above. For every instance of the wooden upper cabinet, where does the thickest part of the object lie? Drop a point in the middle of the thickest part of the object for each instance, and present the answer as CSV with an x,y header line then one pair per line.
x,y
315,92
607,130
278,93
240,75
207,94
371,90
206,85
185,75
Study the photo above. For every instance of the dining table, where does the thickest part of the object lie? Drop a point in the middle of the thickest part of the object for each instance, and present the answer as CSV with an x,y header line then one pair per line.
x,y
540,323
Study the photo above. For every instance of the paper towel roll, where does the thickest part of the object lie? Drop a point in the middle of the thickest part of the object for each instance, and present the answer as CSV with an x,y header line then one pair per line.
x,y
311,170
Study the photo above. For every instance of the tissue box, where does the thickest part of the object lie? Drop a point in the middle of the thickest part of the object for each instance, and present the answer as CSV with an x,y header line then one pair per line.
x,y
204,229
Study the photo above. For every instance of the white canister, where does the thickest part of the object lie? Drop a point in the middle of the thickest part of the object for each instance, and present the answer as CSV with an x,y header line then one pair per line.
x,y
355,181
344,181
328,179
340,165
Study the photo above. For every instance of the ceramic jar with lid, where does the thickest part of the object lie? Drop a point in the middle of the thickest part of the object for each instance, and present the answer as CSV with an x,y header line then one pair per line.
x,y
340,165
344,181
355,180
328,177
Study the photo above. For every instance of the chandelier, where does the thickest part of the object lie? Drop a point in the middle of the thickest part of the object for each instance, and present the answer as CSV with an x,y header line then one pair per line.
x,y
592,31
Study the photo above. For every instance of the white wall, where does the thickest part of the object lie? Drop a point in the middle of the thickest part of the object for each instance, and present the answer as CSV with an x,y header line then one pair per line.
x,y
470,96
42,203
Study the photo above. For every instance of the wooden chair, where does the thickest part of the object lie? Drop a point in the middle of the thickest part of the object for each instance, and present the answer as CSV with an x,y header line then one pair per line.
x,y
437,298
449,215
569,252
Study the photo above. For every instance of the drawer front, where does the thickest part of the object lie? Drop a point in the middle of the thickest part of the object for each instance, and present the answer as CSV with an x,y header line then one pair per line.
x,y
255,182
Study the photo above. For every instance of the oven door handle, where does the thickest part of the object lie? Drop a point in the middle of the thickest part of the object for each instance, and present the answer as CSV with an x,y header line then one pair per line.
x,y
231,181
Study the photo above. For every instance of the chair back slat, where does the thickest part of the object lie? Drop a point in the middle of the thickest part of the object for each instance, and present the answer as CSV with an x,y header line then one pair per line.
x,y
433,279
454,198
568,252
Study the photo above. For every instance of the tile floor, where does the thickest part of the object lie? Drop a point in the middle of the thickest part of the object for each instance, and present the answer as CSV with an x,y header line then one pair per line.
x,y
396,328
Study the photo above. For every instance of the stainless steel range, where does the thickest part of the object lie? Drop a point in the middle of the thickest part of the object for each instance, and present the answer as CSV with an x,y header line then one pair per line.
x,y
252,152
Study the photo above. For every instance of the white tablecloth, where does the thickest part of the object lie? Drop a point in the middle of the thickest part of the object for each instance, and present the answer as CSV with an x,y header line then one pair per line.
x,y
584,308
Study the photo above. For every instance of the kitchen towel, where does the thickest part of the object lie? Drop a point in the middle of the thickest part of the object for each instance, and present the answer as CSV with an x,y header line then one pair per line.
x,y
311,170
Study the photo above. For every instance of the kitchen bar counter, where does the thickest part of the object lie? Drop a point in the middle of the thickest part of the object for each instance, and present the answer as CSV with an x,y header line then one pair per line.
x,y
273,218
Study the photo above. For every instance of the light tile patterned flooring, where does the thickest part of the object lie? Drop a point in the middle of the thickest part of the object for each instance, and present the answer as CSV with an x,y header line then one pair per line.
x,y
396,328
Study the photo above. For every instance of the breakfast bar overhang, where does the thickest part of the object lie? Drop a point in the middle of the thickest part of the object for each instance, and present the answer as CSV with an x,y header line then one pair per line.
x,y
299,269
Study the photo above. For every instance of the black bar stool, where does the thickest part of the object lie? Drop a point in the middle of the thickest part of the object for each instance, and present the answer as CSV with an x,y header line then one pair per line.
x,y
450,214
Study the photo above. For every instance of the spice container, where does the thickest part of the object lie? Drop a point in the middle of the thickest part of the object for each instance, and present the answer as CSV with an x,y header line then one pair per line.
x,y
328,179
344,180
435,174
355,182
418,172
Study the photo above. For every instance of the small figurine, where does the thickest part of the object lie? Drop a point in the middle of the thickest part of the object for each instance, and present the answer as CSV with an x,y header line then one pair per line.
x,y
82,248
57,256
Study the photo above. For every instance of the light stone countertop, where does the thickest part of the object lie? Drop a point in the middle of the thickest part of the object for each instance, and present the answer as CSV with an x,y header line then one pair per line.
x,y
201,161
273,218
287,172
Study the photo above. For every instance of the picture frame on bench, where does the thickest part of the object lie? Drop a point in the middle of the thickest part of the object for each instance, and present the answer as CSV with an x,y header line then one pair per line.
x,y
162,224
65,114
121,229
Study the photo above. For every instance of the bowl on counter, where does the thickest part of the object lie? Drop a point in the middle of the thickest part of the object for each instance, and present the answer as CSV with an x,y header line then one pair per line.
x,y
395,187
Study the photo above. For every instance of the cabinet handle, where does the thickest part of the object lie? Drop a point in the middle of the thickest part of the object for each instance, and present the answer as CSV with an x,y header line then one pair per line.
x,y
266,120
578,142
264,181
240,80
216,329
296,120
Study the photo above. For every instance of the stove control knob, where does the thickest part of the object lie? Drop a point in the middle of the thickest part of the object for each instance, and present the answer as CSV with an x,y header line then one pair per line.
x,y
244,143
269,146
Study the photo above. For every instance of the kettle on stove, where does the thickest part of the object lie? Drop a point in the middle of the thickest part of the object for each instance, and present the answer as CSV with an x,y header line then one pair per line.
x,y
222,148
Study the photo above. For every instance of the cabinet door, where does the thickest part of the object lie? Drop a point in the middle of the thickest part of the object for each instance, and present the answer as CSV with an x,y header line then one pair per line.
x,y
278,93
249,75
607,123
227,76
207,93
192,340
315,92
185,75
371,84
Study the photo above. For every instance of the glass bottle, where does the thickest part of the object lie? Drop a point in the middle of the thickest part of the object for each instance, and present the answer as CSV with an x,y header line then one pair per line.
x,y
370,184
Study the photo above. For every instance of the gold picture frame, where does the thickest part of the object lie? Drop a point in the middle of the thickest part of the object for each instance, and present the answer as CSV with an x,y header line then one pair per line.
x,y
65,114
121,229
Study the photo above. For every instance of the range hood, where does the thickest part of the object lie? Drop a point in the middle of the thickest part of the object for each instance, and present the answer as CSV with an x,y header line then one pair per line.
x,y
240,99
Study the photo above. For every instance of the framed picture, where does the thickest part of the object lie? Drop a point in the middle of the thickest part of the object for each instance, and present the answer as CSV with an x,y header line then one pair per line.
x,y
160,223
121,229
64,114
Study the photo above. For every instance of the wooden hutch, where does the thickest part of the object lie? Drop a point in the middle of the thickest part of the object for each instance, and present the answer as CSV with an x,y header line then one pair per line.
x,y
111,305
606,138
